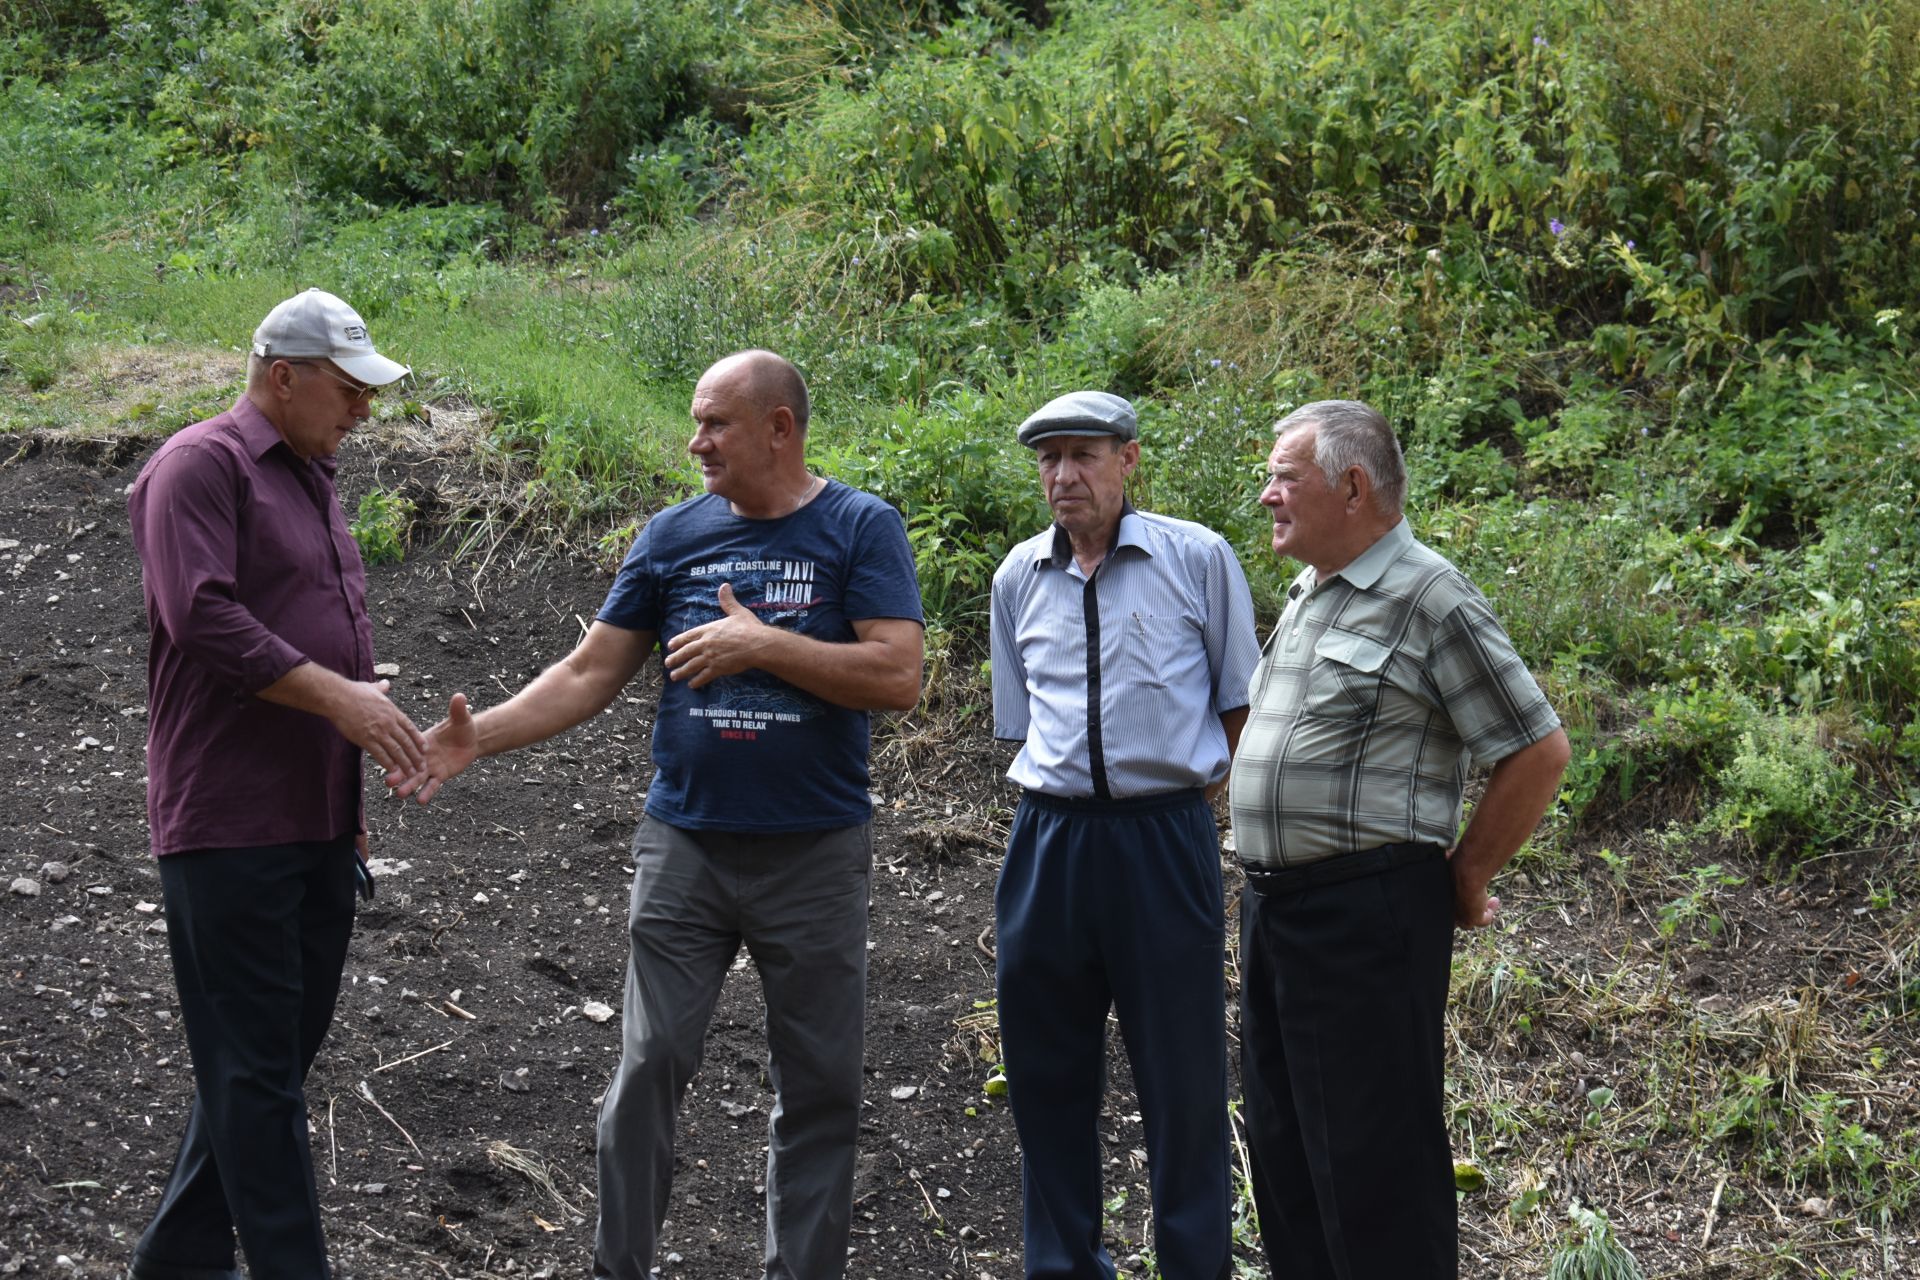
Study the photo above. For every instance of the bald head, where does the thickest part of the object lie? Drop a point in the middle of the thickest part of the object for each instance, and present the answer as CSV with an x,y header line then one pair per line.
x,y
768,380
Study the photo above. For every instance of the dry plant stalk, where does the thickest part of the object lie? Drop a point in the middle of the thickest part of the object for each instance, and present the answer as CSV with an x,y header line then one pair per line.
x,y
536,1169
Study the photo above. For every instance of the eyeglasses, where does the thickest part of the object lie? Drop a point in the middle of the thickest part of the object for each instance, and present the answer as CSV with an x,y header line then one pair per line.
x,y
356,391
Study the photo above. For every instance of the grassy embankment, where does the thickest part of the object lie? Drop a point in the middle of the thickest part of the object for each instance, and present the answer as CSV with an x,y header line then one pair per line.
x,y
1637,283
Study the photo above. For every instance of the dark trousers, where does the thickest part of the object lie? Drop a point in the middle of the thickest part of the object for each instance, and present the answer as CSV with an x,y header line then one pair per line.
x,y
258,938
1116,905
1343,991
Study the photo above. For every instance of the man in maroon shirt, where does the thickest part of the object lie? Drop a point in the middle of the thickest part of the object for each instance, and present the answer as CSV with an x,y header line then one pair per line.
x,y
260,698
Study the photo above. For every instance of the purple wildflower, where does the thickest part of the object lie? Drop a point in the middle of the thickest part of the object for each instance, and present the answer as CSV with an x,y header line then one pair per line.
x,y
1558,227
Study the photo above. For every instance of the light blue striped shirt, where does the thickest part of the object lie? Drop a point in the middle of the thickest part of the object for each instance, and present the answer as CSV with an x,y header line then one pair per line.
x,y
1164,632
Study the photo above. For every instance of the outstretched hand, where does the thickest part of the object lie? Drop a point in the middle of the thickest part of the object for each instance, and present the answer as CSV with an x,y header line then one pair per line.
x,y
726,646
365,716
451,746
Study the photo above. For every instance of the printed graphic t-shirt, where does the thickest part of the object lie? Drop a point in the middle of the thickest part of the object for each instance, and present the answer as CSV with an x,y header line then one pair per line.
x,y
750,752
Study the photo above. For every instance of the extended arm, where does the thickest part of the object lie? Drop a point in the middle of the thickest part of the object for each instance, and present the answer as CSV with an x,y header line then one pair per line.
x,y
878,671
1517,796
574,689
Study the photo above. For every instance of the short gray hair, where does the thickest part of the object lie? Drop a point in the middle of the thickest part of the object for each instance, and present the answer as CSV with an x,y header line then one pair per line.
x,y
1351,434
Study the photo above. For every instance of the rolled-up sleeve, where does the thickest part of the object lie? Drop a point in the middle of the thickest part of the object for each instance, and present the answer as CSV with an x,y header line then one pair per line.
x,y
185,528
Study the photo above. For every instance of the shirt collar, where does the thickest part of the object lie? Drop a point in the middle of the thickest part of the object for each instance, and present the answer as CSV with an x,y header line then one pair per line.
x,y
1059,551
1366,568
259,436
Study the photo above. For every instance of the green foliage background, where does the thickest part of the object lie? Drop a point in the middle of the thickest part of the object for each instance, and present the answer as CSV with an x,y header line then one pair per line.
x,y
1636,281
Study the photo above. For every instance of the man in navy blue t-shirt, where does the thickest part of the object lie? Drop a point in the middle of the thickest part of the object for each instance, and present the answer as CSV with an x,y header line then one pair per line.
x,y
786,608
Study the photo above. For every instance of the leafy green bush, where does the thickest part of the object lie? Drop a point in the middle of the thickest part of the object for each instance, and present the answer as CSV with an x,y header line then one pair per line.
x,y
533,103
1782,785
382,525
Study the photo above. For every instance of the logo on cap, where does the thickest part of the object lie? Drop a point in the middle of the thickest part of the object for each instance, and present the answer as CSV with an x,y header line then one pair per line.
x,y
356,333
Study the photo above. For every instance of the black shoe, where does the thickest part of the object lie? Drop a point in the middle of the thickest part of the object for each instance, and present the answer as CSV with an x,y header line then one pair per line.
x,y
148,1269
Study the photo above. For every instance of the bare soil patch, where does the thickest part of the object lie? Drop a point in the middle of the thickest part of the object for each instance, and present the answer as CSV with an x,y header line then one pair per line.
x,y
453,1105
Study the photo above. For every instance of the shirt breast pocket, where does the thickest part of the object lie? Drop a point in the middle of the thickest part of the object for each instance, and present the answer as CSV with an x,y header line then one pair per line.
x,y
1157,648
1347,675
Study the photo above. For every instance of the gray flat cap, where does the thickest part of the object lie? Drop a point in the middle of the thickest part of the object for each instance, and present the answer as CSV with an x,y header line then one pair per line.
x,y
1081,413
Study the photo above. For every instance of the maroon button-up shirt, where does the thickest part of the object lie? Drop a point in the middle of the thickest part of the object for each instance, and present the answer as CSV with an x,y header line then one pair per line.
x,y
249,571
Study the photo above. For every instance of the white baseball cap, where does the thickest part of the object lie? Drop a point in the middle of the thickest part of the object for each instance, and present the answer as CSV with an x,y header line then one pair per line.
x,y
317,325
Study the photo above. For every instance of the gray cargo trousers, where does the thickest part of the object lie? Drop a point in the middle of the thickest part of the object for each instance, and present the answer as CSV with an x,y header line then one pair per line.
x,y
798,900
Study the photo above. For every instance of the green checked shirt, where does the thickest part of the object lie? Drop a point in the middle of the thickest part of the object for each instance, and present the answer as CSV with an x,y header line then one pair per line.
x,y
1376,691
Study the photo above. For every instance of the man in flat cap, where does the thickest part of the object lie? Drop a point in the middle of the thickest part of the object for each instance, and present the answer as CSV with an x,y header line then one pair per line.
x,y
1122,646
261,697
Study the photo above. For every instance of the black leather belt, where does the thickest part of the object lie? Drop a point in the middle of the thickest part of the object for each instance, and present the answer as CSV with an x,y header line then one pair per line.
x,y
1269,881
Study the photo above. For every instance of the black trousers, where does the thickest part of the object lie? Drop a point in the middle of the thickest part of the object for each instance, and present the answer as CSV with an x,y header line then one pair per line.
x,y
259,939
1116,905
1343,1000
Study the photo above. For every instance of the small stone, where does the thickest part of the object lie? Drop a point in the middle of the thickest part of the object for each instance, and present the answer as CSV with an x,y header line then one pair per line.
x,y
373,1189
386,668
24,888
596,1011
941,1193
901,1092
480,898
515,1081
736,1109
100,890
55,872
936,895
1815,1207
146,908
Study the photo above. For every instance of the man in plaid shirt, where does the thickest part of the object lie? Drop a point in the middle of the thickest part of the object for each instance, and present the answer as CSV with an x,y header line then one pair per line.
x,y
1386,677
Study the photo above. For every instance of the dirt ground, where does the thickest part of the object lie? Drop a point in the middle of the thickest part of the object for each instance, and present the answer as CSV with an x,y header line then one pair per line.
x,y
453,1106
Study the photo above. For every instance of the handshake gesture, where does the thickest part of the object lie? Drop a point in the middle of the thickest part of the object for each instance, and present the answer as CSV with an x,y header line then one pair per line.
x,y
450,746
